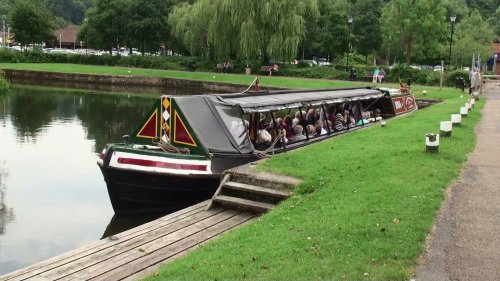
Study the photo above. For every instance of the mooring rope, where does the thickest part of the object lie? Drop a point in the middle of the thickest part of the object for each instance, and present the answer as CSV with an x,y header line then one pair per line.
x,y
167,146
251,84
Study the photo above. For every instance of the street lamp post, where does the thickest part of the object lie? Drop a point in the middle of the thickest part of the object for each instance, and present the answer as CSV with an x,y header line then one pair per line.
x,y
3,30
349,23
452,19
86,36
60,39
74,37
8,35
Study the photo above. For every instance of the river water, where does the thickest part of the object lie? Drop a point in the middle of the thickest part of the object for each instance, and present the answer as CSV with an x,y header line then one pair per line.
x,y
52,194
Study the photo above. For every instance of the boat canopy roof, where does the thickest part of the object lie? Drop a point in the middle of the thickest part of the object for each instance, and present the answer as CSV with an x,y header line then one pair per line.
x,y
264,102
218,123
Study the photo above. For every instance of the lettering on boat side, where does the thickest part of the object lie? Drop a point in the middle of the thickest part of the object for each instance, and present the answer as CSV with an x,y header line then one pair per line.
x,y
403,104
410,103
159,164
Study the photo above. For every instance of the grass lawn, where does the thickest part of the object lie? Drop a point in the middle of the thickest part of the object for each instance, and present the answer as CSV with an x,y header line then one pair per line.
x,y
363,211
367,201
275,81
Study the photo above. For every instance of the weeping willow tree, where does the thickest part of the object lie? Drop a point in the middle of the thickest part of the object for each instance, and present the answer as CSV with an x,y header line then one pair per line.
x,y
245,29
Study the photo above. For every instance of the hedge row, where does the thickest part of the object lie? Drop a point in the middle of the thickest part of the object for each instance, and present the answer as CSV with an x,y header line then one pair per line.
x,y
400,72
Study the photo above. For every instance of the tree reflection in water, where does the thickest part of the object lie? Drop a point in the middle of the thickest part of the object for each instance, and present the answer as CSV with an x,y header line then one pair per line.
x,y
106,118
6,214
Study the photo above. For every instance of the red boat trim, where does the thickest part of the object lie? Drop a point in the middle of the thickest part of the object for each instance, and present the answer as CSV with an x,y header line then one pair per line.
x,y
151,163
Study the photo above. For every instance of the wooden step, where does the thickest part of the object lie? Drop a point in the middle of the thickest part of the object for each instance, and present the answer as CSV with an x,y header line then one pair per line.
x,y
243,203
257,189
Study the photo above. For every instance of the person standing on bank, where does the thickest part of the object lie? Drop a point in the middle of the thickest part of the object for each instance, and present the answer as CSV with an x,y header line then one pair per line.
x,y
475,79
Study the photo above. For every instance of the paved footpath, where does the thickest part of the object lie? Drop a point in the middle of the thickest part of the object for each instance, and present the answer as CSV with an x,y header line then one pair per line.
x,y
465,243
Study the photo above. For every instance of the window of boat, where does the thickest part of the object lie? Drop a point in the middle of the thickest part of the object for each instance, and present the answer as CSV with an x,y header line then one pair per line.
x,y
234,122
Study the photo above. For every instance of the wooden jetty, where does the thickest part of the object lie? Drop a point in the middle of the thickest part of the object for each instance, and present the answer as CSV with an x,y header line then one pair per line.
x,y
242,195
140,251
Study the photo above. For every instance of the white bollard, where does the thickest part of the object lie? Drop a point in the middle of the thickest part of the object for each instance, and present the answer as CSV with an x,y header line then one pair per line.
x,y
456,119
445,128
463,111
432,143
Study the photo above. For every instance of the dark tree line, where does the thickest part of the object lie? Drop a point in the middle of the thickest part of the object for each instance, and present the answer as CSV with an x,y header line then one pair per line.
x,y
392,30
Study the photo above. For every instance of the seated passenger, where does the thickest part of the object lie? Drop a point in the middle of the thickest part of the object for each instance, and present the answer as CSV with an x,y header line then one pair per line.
x,y
352,121
263,140
319,124
310,116
310,130
331,114
287,125
377,114
340,118
298,118
366,114
318,115
298,133
362,122
330,125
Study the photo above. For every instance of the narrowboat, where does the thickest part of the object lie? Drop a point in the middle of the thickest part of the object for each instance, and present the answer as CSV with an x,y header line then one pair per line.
x,y
177,154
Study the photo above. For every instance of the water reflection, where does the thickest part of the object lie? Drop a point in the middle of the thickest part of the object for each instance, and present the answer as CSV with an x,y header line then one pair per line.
x,y
6,214
48,172
105,117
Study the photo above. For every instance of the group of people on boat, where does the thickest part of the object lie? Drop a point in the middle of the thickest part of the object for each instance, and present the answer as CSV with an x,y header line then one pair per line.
x,y
312,123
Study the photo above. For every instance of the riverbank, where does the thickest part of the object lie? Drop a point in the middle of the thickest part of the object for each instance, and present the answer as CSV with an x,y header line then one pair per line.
x,y
154,77
363,211
367,201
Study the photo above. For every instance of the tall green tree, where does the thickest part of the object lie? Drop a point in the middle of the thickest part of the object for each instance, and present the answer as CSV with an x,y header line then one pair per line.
x,y
473,35
459,8
245,28
70,10
419,27
147,26
495,23
190,26
485,7
327,34
366,26
106,24
32,21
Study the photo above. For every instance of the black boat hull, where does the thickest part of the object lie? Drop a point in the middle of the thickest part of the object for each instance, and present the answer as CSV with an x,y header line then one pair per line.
x,y
135,192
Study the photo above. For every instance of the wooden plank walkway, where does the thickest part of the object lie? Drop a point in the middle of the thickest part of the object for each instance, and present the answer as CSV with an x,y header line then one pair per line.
x,y
137,252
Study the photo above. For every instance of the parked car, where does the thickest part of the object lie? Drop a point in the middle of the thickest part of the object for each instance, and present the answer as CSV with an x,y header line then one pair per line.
x,y
427,67
438,68
323,61
415,66
310,62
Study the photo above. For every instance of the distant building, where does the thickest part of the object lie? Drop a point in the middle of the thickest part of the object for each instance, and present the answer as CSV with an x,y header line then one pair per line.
x,y
66,38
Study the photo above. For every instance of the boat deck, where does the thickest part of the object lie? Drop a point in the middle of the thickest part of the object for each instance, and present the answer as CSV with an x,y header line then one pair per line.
x,y
137,252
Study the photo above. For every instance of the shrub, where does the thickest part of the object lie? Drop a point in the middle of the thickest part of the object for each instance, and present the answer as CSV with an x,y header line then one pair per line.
x,y
451,77
4,84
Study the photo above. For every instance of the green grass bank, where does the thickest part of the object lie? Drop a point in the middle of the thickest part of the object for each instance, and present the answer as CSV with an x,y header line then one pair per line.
x,y
276,81
367,201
